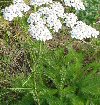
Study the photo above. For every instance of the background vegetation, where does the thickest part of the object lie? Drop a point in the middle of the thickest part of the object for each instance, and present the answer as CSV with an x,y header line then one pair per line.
x,y
62,71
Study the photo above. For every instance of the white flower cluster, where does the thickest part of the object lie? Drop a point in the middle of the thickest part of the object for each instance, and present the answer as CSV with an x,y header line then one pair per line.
x,y
50,18
45,16
53,22
51,15
39,2
81,31
77,4
58,9
9,13
21,5
37,27
15,10
70,19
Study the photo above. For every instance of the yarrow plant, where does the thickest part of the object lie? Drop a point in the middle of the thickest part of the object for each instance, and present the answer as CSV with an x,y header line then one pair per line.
x,y
48,19
61,71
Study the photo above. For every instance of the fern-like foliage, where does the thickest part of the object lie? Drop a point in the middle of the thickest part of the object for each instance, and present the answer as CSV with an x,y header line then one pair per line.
x,y
58,78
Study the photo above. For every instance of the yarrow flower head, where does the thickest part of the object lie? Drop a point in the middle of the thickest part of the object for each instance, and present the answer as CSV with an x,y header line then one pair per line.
x,y
37,28
51,19
40,32
43,18
81,31
55,8
58,9
35,19
77,4
51,15
70,19
9,13
53,22
39,2
15,10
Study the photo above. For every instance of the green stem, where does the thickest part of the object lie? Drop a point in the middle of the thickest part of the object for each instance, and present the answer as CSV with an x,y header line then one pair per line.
x,y
35,75
35,8
35,85
20,88
40,49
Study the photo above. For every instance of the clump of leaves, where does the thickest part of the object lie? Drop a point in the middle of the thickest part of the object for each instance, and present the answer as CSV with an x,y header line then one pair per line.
x,y
92,12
